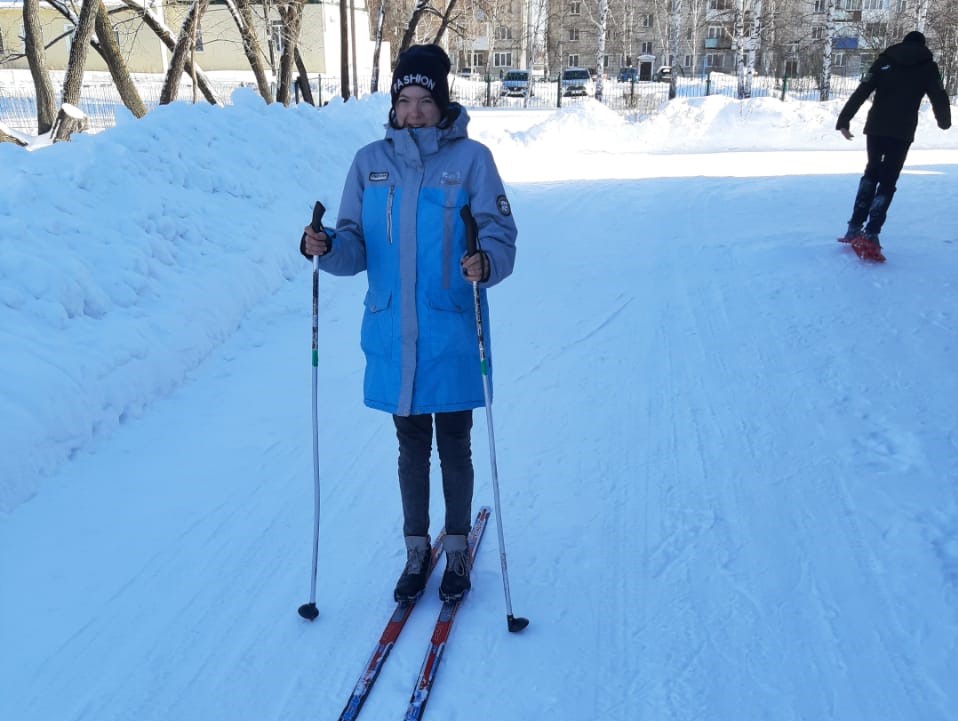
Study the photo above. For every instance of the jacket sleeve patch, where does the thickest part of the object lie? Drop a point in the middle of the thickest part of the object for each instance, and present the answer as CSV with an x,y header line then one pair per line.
x,y
503,204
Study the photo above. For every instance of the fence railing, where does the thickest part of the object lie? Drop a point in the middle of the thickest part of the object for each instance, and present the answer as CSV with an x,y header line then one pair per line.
x,y
100,100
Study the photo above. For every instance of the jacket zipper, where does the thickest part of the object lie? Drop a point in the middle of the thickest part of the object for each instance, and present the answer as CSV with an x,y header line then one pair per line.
x,y
389,214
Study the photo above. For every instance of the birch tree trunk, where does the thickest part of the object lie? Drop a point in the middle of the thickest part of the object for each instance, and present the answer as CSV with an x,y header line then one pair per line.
x,y
37,59
825,82
739,36
601,22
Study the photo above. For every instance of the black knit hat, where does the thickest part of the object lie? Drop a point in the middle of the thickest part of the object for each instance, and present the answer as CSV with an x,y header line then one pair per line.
x,y
427,66
914,37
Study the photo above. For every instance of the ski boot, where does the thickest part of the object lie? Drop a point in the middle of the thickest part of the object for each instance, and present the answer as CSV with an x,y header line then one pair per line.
x,y
867,247
455,581
414,575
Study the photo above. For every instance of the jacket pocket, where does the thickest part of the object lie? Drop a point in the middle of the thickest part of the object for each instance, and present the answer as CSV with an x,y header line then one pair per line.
x,y
451,326
377,330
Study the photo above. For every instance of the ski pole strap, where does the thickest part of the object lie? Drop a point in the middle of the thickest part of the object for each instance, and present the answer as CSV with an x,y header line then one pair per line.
x,y
472,230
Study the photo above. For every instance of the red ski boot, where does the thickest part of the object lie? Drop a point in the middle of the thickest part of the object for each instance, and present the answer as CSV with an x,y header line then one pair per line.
x,y
867,247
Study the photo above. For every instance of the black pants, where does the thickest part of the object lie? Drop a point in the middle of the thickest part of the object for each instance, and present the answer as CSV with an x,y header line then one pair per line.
x,y
886,157
453,441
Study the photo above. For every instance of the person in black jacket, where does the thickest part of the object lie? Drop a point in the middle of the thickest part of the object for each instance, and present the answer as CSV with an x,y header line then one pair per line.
x,y
900,79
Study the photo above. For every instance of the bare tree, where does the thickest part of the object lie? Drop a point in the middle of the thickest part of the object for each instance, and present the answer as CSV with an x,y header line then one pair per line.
x,y
106,45
113,57
292,16
944,18
419,9
377,47
78,51
37,59
243,17
184,45
166,37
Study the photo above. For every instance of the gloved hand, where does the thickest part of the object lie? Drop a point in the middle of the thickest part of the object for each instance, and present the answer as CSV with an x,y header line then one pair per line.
x,y
313,243
475,267
944,125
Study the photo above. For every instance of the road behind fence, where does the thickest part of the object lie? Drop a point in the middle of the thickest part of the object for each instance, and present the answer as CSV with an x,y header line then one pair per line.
x,y
100,100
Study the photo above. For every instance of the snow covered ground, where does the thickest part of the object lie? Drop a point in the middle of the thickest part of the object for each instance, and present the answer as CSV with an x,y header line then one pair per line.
x,y
727,448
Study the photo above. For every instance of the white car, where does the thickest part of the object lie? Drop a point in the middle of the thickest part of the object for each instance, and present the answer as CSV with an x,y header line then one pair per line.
x,y
515,83
577,81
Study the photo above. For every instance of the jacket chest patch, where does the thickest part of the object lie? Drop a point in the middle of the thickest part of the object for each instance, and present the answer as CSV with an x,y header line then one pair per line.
x,y
451,178
378,176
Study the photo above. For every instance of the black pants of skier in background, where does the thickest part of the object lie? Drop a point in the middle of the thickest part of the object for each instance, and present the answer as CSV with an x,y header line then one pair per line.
x,y
453,442
886,157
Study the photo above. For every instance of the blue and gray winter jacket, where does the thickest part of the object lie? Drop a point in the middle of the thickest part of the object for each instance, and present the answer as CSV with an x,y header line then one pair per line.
x,y
399,221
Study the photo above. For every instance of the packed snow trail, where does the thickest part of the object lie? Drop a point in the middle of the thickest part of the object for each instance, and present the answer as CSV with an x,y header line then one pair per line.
x,y
727,451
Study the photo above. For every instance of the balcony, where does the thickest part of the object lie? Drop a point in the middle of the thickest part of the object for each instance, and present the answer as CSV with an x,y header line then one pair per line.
x,y
718,43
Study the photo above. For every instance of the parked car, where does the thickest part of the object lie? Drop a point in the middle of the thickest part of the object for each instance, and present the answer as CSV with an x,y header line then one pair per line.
x,y
515,83
577,81
628,75
663,74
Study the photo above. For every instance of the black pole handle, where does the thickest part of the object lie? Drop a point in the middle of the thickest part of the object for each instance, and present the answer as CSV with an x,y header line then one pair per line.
x,y
472,230
317,222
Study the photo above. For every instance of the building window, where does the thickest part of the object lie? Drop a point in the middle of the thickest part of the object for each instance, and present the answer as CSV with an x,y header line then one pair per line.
x,y
820,6
713,61
575,7
838,60
876,4
688,61
573,34
791,68
645,48
715,32
818,32
503,32
573,60
502,60
875,31
645,21
276,36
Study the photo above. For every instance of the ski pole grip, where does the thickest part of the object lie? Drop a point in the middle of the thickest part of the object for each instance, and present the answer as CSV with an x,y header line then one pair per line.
x,y
472,230
317,222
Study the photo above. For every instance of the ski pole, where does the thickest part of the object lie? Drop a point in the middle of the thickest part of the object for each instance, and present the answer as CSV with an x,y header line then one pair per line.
x,y
472,247
309,610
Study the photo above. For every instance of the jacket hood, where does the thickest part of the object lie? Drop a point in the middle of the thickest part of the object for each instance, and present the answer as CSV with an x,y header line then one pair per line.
x,y
908,54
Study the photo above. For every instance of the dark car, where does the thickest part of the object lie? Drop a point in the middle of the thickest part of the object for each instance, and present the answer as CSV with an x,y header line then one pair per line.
x,y
663,74
628,75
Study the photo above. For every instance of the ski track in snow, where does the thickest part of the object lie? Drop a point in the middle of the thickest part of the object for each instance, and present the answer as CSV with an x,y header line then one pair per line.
x,y
681,555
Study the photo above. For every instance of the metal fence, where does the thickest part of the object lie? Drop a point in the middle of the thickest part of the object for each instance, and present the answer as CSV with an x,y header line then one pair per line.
x,y
100,100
